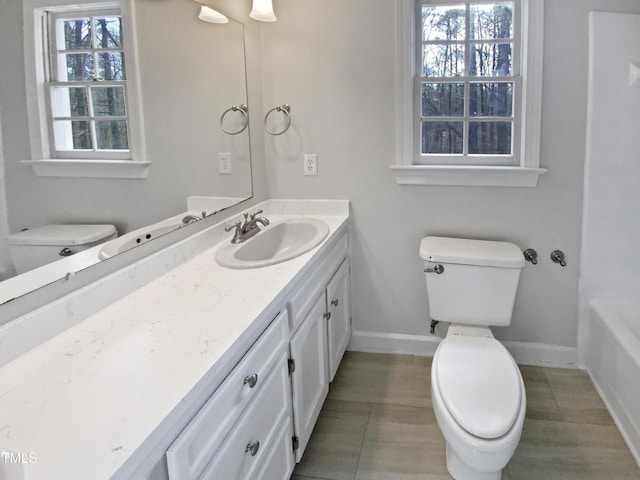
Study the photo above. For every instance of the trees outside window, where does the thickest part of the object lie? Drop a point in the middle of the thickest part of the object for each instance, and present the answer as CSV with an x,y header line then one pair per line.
x,y
467,78
87,85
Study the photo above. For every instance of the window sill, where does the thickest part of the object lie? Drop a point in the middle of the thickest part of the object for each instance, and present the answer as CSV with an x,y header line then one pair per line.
x,y
466,175
89,168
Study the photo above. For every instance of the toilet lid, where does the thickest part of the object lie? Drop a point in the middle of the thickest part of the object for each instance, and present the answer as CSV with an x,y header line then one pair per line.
x,y
61,235
479,383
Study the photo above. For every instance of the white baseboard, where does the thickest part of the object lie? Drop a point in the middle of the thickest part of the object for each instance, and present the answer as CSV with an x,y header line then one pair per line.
x,y
524,353
399,343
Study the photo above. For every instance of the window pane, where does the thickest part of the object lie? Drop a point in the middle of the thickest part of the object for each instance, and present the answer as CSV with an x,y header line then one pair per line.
x,y
491,20
442,99
442,137
69,102
443,60
72,135
490,60
441,22
108,32
108,101
490,138
79,67
112,135
77,34
111,66
491,99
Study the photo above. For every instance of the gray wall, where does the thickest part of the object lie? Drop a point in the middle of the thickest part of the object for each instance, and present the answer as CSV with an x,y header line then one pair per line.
x,y
335,63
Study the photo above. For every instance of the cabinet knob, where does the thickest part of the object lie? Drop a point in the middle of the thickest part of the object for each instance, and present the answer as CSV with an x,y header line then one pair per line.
x,y
335,302
253,448
251,380
327,315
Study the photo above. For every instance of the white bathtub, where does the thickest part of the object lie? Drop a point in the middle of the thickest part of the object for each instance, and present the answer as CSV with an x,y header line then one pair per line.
x,y
613,361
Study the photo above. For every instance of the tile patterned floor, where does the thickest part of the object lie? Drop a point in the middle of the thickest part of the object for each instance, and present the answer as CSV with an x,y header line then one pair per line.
x,y
378,424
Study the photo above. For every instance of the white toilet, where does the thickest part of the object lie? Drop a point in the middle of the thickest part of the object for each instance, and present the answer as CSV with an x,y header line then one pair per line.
x,y
477,391
38,246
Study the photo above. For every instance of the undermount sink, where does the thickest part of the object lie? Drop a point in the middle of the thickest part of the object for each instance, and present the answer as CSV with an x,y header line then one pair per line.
x,y
279,242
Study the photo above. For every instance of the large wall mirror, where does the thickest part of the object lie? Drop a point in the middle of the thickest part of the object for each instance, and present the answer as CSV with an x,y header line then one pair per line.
x,y
190,73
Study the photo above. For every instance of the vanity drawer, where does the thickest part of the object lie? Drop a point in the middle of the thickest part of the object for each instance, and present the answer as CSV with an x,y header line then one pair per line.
x,y
306,295
197,444
256,434
279,461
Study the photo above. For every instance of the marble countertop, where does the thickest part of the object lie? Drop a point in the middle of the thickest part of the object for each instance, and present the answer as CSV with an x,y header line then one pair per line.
x,y
81,403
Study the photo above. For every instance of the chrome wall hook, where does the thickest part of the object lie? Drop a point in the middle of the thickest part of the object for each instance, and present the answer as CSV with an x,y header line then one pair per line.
x,y
530,255
558,257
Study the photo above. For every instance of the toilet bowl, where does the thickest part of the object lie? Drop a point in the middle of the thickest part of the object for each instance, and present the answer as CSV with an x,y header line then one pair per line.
x,y
477,390
479,401
38,246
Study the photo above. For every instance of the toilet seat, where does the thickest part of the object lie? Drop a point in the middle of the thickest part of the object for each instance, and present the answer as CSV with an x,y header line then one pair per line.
x,y
479,384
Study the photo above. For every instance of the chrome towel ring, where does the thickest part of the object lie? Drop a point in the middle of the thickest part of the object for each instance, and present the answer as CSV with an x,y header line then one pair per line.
x,y
244,110
284,108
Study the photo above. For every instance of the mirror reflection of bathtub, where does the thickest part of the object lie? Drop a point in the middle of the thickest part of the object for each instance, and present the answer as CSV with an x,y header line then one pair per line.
x,y
184,91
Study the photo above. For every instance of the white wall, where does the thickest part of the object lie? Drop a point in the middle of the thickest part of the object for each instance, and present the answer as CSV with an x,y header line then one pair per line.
x,y
610,264
335,63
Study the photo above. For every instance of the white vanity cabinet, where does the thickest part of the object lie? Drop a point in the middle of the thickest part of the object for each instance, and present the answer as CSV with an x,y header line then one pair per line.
x,y
320,322
257,423
238,434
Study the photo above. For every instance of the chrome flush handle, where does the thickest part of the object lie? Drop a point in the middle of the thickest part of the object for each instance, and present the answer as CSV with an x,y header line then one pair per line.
x,y
439,269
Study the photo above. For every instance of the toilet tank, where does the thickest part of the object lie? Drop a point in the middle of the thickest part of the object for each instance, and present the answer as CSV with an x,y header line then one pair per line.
x,y
38,246
478,283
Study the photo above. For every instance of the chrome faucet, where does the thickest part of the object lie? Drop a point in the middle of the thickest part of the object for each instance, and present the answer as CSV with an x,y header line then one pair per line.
x,y
244,231
193,218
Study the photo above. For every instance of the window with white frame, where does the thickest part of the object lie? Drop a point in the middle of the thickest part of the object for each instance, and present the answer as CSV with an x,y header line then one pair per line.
x,y
474,103
87,85
467,82
83,95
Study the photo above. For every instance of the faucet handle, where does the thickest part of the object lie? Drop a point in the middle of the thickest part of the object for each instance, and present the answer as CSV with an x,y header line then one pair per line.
x,y
231,227
237,235
253,215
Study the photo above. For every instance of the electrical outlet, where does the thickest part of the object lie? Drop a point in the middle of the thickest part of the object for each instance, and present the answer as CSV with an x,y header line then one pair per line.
x,y
224,163
310,164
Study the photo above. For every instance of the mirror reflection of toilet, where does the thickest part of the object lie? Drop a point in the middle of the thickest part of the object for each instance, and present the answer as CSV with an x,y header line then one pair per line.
x,y
476,387
39,246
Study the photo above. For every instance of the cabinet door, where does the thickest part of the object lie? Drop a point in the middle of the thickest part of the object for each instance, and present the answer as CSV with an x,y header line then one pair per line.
x,y
339,322
310,379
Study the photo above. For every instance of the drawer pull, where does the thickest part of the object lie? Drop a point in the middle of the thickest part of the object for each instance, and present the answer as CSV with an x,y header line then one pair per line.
x,y
327,315
335,302
251,380
253,448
